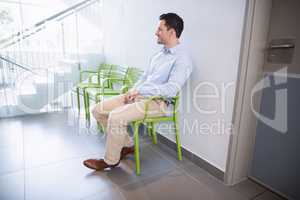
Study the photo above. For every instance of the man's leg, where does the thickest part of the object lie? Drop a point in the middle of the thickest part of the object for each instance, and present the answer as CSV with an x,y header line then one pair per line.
x,y
101,112
117,136
102,109
119,118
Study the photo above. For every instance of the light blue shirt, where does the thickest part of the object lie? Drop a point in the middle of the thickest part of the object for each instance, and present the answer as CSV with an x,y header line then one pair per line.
x,y
168,71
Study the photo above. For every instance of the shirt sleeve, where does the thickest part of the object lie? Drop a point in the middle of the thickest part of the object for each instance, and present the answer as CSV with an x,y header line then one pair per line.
x,y
143,78
180,72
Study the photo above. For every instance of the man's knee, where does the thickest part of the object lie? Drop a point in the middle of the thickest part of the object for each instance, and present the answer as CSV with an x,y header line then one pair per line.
x,y
116,119
98,112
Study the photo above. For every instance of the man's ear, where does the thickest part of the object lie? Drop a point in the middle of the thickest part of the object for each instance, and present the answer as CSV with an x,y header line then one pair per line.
x,y
173,32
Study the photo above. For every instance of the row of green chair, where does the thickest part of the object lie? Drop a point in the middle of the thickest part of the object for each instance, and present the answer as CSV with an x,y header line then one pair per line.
x,y
86,79
102,82
119,83
107,77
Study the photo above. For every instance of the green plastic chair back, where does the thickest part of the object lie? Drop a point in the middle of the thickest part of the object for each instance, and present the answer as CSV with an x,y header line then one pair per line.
x,y
103,67
133,75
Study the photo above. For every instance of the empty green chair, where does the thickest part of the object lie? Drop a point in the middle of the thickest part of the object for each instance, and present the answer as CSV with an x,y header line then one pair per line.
x,y
125,80
117,75
89,81
131,77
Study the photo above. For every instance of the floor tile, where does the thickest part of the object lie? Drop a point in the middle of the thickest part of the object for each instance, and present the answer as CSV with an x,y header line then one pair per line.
x,y
169,154
55,145
269,196
109,194
12,186
249,189
51,148
11,159
151,163
174,185
216,186
11,133
65,180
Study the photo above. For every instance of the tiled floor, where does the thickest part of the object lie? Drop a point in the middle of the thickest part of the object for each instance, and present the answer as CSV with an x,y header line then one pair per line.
x,y
41,158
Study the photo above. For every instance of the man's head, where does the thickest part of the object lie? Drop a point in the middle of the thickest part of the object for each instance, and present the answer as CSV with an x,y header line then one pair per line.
x,y
169,29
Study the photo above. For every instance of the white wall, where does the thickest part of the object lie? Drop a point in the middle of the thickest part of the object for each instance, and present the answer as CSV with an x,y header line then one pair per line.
x,y
213,32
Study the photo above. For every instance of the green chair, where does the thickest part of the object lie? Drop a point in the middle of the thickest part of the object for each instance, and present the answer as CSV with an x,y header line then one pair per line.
x,y
127,80
117,75
89,82
133,76
150,122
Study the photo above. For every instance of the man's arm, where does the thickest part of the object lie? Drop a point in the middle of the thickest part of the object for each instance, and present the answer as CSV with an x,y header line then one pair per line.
x,y
144,75
133,92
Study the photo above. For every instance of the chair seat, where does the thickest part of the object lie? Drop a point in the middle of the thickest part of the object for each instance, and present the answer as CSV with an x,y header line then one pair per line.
x,y
107,91
86,85
155,119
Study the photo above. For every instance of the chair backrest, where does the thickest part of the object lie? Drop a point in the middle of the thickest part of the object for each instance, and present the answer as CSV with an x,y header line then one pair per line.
x,y
104,69
133,75
104,66
91,74
110,71
118,71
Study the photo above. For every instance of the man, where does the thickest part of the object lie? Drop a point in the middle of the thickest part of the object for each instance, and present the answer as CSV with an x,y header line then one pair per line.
x,y
168,71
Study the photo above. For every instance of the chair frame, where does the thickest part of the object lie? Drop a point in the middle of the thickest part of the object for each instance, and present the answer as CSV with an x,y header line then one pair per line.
x,y
91,74
150,121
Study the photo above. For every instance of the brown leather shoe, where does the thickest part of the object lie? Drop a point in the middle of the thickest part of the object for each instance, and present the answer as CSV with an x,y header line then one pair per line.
x,y
98,164
126,151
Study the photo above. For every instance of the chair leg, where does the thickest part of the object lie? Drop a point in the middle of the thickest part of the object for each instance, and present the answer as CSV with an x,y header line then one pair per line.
x,y
149,126
154,138
136,148
84,102
87,108
78,98
177,139
99,126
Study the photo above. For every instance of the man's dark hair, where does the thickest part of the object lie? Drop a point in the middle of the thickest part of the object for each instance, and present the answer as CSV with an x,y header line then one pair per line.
x,y
172,20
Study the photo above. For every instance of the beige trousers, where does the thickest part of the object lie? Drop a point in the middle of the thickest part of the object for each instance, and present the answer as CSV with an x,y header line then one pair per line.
x,y
114,115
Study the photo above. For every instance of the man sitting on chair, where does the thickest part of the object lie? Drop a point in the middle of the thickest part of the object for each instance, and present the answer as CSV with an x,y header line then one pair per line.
x,y
168,71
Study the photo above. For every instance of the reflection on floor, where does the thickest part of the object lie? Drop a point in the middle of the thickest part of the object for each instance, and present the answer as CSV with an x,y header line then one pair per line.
x,y
41,158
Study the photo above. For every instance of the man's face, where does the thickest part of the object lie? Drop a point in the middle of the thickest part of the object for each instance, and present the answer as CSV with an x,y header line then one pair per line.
x,y
162,33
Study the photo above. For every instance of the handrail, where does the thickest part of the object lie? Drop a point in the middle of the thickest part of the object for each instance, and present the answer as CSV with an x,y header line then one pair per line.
x,y
43,23
18,65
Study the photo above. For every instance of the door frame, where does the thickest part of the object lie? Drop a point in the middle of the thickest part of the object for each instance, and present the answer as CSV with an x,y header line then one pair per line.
x,y
241,145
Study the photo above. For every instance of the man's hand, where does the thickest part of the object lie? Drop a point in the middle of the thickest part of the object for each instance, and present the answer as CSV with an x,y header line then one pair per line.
x,y
131,95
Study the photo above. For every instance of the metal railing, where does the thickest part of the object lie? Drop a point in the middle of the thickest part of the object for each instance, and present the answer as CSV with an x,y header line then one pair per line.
x,y
53,46
41,25
12,62
10,71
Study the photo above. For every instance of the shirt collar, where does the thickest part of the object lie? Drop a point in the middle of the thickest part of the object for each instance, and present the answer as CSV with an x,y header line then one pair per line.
x,y
170,50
